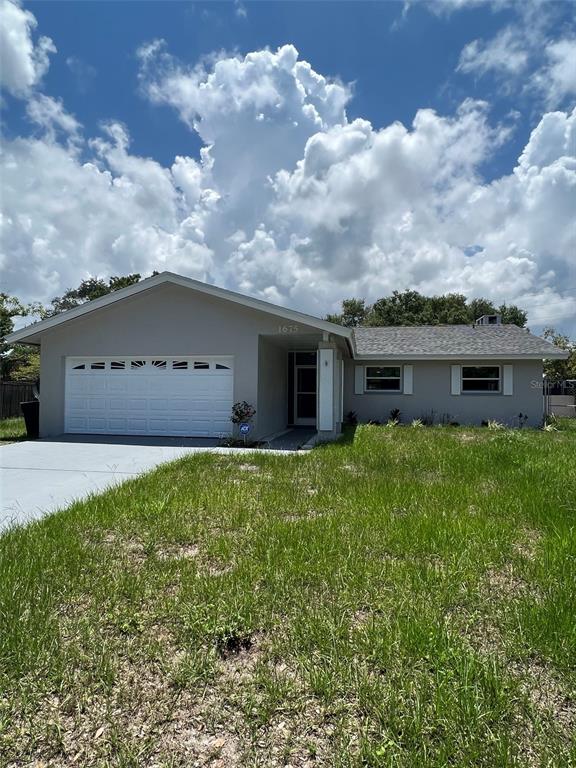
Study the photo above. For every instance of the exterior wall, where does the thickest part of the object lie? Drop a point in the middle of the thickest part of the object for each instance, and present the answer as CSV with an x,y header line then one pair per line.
x,y
432,387
272,387
164,320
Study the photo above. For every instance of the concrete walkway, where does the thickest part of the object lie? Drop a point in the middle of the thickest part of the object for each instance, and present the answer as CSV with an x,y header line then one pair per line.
x,y
40,476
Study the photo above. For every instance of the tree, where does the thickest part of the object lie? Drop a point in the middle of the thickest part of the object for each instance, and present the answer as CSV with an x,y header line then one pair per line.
x,y
88,290
354,313
560,370
17,361
513,315
413,308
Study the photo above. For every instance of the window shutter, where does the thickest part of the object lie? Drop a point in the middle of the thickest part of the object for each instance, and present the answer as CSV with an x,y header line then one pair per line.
x,y
508,383
455,379
408,379
359,380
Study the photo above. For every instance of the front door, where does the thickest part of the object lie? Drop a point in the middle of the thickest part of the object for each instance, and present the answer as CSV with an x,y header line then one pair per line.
x,y
305,395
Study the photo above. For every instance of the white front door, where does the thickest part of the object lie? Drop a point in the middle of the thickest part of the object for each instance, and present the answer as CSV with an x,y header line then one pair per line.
x,y
187,396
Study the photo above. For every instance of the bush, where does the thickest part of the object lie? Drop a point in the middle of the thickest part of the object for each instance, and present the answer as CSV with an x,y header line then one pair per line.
x,y
242,412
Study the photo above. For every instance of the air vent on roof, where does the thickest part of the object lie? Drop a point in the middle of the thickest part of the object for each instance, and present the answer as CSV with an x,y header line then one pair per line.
x,y
489,320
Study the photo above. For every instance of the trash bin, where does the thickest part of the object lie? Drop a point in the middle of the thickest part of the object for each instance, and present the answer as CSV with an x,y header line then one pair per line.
x,y
31,413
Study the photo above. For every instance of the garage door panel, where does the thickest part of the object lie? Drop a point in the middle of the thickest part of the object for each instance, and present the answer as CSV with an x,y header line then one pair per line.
x,y
95,404
118,384
139,396
117,425
97,423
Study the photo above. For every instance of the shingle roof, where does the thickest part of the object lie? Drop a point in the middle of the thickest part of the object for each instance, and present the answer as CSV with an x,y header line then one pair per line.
x,y
451,341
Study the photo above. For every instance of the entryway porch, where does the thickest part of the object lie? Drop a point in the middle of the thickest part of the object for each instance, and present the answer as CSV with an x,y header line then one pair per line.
x,y
300,383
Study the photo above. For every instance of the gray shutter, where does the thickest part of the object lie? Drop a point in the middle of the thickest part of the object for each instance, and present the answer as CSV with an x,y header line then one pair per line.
x,y
508,380
455,383
359,380
408,379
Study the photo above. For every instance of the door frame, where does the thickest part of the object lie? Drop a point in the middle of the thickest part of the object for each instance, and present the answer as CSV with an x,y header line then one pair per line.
x,y
301,421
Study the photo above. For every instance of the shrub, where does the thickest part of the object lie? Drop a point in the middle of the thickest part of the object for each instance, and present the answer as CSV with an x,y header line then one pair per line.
x,y
242,412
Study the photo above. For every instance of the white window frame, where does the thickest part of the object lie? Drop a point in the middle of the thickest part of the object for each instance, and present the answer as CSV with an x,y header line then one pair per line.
x,y
480,378
383,378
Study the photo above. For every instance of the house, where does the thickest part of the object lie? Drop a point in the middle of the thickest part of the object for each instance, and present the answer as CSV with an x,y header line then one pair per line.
x,y
170,355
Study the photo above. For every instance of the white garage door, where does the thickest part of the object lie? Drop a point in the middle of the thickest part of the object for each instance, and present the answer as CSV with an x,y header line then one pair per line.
x,y
149,396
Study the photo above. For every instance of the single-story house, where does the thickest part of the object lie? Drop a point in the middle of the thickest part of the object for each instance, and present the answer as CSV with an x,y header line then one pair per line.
x,y
170,355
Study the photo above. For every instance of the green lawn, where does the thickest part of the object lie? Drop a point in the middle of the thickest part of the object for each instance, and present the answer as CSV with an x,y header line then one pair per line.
x,y
12,430
404,598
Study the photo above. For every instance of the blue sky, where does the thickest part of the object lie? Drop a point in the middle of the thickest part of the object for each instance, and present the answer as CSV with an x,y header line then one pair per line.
x,y
490,71
397,63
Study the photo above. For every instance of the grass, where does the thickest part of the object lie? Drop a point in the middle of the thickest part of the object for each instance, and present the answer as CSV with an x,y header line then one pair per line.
x,y
12,430
405,598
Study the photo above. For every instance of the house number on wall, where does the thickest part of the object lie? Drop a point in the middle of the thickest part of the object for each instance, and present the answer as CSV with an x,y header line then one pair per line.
x,y
288,329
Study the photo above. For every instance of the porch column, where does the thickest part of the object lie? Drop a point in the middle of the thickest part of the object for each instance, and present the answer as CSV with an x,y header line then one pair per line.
x,y
326,390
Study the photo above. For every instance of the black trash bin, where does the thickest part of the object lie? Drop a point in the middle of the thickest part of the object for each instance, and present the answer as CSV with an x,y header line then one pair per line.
x,y
31,412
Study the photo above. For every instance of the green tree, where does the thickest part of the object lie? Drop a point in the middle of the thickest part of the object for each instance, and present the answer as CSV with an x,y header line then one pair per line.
x,y
17,361
413,308
354,313
88,290
560,370
513,315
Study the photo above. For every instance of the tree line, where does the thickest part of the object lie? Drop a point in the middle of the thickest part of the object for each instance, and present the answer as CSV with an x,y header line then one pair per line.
x,y
412,308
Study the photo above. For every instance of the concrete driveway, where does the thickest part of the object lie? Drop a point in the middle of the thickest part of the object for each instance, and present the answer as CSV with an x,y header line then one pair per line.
x,y
41,476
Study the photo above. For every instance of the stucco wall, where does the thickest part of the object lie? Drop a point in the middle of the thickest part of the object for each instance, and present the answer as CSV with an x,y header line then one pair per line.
x,y
164,320
272,387
431,387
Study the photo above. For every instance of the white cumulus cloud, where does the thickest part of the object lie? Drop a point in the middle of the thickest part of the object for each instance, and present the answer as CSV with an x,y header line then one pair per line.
x,y
291,201
23,62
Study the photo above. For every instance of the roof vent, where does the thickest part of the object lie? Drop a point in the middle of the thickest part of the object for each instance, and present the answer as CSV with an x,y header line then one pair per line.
x,y
489,320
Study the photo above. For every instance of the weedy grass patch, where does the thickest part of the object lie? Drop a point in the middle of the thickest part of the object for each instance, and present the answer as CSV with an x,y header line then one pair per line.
x,y
403,598
12,430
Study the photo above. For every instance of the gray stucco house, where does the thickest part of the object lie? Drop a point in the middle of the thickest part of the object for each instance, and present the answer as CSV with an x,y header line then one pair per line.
x,y
170,355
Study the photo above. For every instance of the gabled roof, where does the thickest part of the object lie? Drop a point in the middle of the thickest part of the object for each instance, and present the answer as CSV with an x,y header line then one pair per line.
x,y
31,333
452,341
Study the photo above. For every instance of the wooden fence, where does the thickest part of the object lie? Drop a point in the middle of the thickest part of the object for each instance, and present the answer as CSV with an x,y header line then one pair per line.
x,y
12,393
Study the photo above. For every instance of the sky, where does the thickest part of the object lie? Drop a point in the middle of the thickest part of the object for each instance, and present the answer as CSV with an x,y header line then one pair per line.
x,y
300,152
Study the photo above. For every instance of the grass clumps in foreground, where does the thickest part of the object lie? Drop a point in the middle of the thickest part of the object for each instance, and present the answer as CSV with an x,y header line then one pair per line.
x,y
403,598
12,430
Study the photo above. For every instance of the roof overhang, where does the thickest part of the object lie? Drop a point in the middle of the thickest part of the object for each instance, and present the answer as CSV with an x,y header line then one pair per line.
x,y
560,355
31,334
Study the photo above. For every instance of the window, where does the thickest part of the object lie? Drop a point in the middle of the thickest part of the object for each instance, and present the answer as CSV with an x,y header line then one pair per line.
x,y
137,363
180,365
80,367
159,363
382,378
221,367
480,378
200,366
305,358
100,366
117,365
